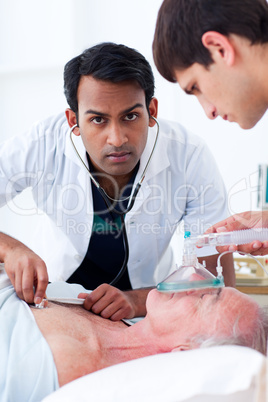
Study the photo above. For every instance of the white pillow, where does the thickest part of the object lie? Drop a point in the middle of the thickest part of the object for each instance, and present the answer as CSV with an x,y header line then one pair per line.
x,y
216,374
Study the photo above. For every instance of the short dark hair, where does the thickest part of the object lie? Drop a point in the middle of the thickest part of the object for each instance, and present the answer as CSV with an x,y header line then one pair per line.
x,y
181,24
108,62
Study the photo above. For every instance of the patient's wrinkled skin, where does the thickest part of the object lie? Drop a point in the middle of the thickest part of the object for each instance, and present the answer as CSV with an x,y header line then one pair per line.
x,y
74,337
82,342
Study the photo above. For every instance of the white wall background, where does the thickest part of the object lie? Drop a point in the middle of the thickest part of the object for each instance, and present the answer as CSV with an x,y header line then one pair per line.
x,y
39,37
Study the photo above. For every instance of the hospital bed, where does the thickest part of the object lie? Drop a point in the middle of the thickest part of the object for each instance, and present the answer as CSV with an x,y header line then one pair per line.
x,y
215,374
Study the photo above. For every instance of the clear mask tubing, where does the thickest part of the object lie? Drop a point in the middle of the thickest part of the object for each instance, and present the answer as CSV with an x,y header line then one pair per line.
x,y
191,275
237,237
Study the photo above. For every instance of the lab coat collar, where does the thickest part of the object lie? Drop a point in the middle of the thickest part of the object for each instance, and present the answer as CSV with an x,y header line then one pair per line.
x,y
70,152
159,161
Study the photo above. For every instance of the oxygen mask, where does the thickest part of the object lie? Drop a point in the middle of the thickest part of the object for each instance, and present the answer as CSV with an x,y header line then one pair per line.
x,y
191,275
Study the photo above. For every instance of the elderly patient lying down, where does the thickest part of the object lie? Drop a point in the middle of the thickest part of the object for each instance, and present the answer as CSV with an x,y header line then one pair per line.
x,y
42,349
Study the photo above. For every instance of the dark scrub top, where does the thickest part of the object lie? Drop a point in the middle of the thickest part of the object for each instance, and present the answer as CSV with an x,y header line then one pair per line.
x,y
105,254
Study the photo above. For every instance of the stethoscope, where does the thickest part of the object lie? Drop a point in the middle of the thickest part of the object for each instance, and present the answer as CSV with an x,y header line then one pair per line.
x,y
109,205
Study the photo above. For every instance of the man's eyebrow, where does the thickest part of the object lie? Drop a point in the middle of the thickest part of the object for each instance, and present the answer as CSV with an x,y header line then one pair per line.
x,y
126,111
132,107
91,111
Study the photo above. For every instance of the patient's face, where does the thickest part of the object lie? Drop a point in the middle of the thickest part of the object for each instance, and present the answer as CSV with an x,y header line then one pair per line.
x,y
200,312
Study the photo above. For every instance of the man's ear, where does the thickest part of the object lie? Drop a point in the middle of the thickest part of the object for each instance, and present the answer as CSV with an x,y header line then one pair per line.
x,y
153,109
72,121
220,47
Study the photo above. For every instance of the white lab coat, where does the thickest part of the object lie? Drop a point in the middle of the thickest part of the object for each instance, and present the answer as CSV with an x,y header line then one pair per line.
x,y
181,183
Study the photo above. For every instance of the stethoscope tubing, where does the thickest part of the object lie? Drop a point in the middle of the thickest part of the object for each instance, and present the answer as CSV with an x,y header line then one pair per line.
x,y
110,205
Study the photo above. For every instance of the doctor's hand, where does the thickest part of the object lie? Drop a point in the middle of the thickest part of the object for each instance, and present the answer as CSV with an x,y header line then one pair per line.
x,y
109,302
25,269
241,221
115,304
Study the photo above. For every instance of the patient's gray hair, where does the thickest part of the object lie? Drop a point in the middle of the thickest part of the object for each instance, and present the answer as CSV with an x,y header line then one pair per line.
x,y
257,340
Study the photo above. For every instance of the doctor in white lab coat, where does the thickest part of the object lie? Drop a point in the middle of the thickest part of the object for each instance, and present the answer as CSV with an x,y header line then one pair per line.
x,y
182,183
